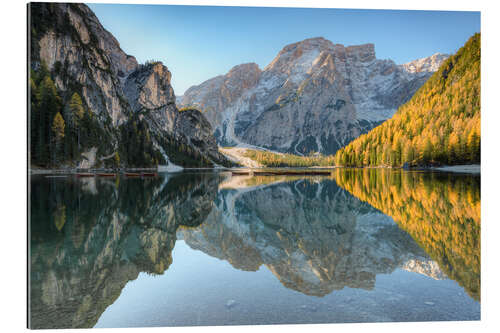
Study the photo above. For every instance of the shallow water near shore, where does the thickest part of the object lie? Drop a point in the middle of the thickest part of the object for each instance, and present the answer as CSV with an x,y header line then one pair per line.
x,y
208,248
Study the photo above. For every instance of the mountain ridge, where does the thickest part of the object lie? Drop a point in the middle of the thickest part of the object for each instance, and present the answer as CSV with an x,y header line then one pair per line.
x,y
322,95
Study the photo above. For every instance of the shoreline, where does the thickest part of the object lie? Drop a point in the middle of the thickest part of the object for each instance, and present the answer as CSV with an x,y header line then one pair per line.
x,y
465,168
74,171
468,168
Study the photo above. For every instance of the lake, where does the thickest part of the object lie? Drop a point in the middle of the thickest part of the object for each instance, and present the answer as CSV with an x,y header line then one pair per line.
x,y
208,248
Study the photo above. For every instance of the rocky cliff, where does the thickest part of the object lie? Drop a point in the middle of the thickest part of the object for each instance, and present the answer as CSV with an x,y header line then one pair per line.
x,y
314,96
126,99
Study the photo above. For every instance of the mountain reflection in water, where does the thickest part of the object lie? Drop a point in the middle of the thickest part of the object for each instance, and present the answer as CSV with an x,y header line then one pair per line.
x,y
90,237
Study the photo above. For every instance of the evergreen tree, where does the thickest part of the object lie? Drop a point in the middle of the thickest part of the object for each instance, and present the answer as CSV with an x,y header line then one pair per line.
x,y
34,115
57,136
76,115
49,104
117,159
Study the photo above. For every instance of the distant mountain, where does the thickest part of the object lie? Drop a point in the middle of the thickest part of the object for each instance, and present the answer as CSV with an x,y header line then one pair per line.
x,y
441,124
94,105
314,96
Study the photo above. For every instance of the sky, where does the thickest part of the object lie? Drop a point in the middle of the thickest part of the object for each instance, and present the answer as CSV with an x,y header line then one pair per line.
x,y
197,43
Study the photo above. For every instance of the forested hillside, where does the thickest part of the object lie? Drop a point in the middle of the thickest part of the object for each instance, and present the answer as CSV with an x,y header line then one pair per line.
x,y
439,125
61,130
276,160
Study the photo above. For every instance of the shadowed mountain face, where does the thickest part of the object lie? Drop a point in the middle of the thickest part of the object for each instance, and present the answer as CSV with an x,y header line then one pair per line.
x,y
89,237
313,235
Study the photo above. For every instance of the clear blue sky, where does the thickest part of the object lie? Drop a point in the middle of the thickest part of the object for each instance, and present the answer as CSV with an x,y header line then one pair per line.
x,y
198,42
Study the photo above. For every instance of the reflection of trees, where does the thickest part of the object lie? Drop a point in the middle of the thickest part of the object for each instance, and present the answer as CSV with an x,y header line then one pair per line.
x,y
89,237
312,235
441,212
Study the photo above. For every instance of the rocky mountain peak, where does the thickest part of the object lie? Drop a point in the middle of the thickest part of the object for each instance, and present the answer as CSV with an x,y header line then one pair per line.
x,y
149,87
362,53
428,64
309,51
241,77
314,96
307,44
243,69
300,54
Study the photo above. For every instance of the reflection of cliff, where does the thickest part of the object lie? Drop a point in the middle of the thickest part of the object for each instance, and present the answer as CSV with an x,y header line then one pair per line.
x,y
442,213
314,236
89,237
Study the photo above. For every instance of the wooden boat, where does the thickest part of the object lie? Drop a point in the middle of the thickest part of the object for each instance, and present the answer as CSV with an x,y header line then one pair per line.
x,y
106,174
131,174
85,174
241,173
149,174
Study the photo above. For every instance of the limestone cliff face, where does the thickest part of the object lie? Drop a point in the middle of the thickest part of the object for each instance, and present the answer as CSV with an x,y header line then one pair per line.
x,y
216,94
83,57
314,96
72,42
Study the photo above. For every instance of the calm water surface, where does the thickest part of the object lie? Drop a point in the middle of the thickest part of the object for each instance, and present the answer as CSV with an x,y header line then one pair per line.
x,y
209,249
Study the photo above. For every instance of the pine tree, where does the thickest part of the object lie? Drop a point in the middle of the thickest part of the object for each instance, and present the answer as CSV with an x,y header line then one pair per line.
x,y
48,106
77,112
57,135
474,146
117,159
34,115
